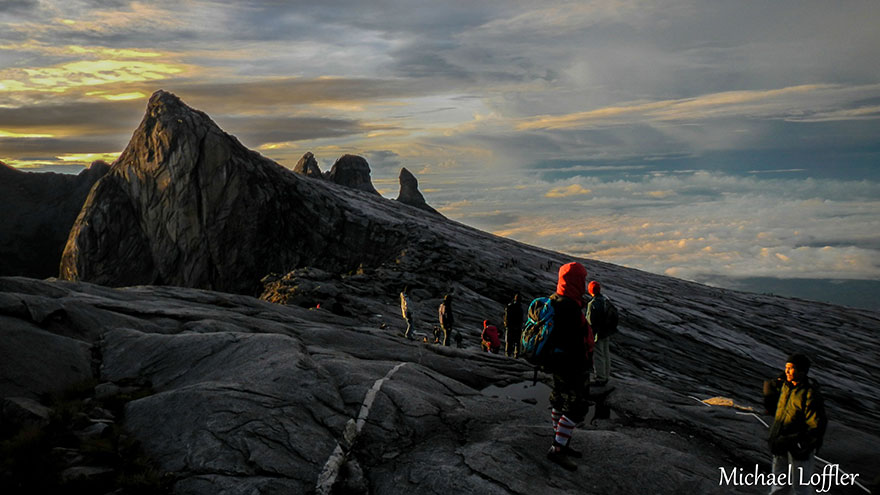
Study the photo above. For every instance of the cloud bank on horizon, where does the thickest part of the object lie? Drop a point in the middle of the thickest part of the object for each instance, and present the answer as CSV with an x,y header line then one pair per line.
x,y
681,137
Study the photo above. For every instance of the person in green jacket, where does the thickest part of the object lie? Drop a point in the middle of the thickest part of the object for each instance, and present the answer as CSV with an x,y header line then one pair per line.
x,y
798,427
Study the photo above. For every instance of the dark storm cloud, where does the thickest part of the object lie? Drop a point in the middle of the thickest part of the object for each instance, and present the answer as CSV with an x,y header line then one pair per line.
x,y
18,6
19,147
84,117
255,131
298,91
383,159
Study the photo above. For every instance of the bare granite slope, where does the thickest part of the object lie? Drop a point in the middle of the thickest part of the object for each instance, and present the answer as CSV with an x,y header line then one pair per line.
x,y
247,396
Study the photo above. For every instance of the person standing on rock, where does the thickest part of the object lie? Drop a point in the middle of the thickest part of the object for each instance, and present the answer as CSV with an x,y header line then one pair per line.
x,y
798,427
513,319
571,342
446,318
406,310
602,318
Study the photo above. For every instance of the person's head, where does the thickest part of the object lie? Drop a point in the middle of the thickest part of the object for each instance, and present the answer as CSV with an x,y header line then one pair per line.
x,y
572,281
406,289
594,288
447,298
516,297
485,324
797,366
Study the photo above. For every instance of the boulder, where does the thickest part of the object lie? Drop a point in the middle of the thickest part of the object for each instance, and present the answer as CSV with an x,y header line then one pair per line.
x,y
23,410
37,362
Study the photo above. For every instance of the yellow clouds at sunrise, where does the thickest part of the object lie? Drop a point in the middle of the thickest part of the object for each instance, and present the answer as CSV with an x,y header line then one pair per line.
x,y
89,67
566,191
704,106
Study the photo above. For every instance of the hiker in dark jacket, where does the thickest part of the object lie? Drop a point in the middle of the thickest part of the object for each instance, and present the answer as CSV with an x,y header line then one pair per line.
x,y
598,317
571,342
513,320
446,318
798,427
491,340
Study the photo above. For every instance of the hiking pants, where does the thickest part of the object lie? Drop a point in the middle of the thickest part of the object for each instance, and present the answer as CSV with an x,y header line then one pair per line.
x,y
602,359
780,466
409,325
569,395
512,343
446,332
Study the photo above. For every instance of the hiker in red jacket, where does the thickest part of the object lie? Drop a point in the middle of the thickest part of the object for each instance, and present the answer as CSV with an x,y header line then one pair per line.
x,y
569,362
491,339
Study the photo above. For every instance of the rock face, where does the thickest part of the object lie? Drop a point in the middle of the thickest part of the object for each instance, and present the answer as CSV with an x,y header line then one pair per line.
x,y
186,204
308,166
352,171
38,211
409,192
239,395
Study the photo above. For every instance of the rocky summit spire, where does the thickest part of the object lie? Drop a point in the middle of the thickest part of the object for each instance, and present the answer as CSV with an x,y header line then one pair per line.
x,y
352,171
409,192
308,166
186,204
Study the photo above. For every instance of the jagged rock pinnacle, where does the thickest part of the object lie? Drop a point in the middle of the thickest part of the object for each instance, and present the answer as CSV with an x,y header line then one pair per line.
x,y
352,171
187,204
409,192
308,166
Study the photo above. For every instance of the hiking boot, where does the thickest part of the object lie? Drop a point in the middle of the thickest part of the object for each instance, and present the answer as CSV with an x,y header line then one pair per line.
x,y
570,452
556,455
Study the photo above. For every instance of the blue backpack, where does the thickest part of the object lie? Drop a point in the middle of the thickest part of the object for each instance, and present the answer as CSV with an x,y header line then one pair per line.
x,y
537,330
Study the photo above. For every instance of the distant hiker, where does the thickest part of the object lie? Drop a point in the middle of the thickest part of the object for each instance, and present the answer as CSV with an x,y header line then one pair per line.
x,y
446,318
798,427
569,362
490,338
602,317
406,309
437,335
458,339
513,319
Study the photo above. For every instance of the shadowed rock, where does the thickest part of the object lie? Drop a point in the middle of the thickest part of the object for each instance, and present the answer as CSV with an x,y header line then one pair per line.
x,y
38,211
249,396
409,192
352,171
186,204
308,166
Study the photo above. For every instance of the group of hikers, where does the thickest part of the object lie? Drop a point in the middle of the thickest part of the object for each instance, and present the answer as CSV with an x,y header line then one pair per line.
x,y
581,336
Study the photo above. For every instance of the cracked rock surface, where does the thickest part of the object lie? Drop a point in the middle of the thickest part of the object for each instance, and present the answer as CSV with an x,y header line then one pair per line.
x,y
250,396
187,205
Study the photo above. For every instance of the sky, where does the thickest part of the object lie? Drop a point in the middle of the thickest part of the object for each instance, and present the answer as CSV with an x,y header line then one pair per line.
x,y
719,142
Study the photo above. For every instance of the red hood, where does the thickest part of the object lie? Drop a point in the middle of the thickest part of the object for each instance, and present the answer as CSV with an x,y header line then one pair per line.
x,y
572,281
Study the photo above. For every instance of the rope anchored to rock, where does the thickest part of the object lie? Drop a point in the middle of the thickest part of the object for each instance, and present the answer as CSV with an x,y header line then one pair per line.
x,y
352,429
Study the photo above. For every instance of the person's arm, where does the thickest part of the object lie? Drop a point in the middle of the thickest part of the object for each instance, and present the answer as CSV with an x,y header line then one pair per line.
x,y
815,420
